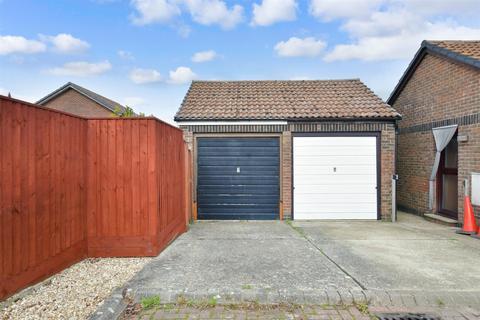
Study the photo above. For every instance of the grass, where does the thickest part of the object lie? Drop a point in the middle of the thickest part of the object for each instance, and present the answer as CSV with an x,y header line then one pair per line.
x,y
247,287
150,302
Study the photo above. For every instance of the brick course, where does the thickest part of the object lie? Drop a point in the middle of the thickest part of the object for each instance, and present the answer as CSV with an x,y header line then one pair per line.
x,y
439,91
387,150
73,102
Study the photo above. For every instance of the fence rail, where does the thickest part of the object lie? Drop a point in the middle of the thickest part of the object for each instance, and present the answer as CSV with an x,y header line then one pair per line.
x,y
72,188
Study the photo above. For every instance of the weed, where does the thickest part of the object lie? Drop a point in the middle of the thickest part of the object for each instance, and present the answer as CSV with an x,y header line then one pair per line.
x,y
440,303
212,302
181,300
150,302
362,307
247,287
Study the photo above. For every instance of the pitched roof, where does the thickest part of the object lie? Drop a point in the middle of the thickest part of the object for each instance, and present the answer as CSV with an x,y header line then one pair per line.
x,y
282,100
466,52
101,100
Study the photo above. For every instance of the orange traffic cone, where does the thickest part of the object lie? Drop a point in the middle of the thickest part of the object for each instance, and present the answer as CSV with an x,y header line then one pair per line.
x,y
469,223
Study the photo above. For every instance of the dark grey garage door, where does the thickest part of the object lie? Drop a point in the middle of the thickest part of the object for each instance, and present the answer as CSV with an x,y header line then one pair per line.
x,y
238,178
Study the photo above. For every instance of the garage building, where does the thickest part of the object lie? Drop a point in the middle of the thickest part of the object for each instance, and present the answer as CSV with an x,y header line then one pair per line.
x,y
289,149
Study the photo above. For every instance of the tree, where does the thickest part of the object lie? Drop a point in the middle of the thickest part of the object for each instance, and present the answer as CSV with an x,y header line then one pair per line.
x,y
126,113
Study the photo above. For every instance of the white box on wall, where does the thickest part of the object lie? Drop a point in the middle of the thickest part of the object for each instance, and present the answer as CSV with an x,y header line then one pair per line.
x,y
475,189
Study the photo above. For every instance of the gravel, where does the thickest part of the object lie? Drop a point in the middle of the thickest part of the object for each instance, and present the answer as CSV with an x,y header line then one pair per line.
x,y
75,292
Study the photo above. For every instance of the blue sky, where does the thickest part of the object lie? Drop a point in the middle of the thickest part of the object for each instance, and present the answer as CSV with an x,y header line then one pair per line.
x,y
144,53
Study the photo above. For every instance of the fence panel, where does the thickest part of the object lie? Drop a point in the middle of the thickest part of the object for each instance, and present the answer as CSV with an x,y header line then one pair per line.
x,y
132,183
42,190
72,187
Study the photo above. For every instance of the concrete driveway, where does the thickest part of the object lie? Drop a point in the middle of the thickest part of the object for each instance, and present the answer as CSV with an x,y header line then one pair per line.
x,y
409,263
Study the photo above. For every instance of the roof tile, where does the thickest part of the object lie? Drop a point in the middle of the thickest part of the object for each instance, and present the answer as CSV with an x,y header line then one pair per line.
x,y
465,48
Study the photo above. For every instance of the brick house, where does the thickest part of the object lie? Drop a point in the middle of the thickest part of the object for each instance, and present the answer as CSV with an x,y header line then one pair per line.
x,y
439,91
77,100
289,149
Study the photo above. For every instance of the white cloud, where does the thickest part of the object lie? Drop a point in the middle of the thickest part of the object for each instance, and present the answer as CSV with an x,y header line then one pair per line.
x,y
81,68
400,46
125,55
395,34
272,11
133,101
150,11
431,7
333,9
296,47
206,12
211,12
141,76
383,23
66,43
204,56
181,75
18,44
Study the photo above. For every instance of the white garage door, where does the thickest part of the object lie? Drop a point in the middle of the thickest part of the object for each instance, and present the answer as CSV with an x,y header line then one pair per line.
x,y
335,177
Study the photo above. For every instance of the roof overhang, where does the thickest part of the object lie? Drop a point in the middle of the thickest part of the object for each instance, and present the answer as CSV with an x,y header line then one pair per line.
x,y
226,123
428,48
221,122
66,87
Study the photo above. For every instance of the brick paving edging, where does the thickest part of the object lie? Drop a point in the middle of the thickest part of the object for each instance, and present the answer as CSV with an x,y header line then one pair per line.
x,y
314,312
331,297
380,299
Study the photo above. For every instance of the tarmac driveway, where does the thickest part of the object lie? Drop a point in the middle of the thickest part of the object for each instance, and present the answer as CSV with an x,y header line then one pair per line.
x,y
413,261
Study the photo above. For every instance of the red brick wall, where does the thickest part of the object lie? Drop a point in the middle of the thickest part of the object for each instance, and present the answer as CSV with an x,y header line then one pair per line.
x,y
287,174
416,152
387,162
439,90
73,102
387,146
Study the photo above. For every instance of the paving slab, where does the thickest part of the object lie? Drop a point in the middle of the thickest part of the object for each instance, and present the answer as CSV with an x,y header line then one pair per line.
x,y
409,255
255,259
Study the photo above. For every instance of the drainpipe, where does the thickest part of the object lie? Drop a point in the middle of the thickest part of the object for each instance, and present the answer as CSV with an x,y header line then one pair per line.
x,y
395,176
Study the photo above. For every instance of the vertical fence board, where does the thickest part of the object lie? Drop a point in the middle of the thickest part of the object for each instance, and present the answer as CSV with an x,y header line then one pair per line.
x,y
143,134
32,196
17,208
135,178
128,217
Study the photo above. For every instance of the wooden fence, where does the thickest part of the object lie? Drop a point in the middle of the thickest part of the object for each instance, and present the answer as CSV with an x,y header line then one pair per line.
x,y
72,188
136,179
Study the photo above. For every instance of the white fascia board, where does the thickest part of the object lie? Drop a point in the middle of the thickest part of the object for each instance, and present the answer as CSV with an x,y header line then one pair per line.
x,y
226,123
